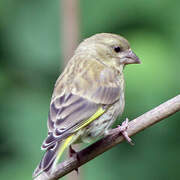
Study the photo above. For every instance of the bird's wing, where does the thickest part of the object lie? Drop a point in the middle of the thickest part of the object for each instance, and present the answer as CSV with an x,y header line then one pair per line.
x,y
70,111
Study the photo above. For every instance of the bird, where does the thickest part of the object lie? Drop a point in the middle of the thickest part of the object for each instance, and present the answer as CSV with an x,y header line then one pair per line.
x,y
88,97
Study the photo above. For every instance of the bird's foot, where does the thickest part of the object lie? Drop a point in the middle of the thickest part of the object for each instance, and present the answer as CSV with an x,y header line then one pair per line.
x,y
123,130
72,153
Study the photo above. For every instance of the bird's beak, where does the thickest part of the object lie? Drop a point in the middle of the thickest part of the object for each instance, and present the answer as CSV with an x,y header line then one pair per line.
x,y
131,58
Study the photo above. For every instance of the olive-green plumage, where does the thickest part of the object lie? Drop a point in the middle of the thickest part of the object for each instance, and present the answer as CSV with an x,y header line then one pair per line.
x,y
88,96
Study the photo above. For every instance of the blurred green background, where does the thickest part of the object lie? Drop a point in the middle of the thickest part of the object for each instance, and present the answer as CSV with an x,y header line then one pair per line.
x,y
31,60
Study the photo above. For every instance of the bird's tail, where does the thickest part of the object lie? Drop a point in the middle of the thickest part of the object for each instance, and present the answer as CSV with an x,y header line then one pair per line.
x,y
51,157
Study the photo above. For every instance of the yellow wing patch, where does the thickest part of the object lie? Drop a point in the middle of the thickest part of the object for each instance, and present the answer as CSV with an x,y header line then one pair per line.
x,y
98,113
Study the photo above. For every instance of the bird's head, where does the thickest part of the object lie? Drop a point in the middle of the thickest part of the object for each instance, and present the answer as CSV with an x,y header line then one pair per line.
x,y
111,49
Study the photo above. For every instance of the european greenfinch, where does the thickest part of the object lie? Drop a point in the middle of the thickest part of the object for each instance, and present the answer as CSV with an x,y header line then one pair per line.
x,y
88,96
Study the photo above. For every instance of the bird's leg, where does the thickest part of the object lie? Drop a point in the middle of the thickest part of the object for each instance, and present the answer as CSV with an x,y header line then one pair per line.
x,y
72,153
123,130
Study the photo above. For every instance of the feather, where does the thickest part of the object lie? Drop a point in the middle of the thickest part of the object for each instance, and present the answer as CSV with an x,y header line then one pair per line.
x,y
72,109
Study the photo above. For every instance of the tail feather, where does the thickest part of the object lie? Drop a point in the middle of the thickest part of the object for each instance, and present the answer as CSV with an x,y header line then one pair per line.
x,y
47,160
52,156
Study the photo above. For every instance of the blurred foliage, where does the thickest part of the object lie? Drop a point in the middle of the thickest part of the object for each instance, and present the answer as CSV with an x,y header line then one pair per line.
x,y
30,61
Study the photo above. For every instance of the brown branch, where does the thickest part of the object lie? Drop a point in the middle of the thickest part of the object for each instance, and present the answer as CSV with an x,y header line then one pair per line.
x,y
142,122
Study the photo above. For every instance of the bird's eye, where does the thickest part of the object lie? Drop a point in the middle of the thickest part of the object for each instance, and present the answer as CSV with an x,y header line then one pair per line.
x,y
117,49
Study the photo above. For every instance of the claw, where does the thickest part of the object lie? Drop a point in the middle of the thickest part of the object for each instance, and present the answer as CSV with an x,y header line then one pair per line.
x,y
123,130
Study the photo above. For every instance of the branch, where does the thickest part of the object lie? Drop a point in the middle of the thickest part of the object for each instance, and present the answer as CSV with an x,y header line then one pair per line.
x,y
142,122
